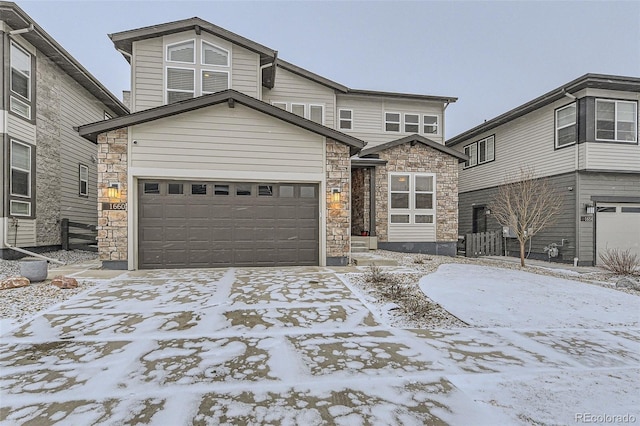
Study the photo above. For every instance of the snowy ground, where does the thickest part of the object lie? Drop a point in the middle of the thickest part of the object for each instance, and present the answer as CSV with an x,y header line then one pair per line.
x,y
297,346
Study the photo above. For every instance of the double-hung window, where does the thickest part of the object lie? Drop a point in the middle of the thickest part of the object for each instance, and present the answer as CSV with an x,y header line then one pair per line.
x,y
481,151
311,112
20,101
566,130
411,123
411,198
471,151
430,124
392,122
83,180
346,119
616,120
20,179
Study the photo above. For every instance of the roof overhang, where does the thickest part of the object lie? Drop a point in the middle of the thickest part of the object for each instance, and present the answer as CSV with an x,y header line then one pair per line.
x,y
373,93
17,19
593,81
91,131
413,139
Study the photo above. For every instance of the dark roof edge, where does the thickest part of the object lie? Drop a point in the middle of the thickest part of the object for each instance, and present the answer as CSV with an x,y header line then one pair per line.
x,y
312,76
124,37
108,98
613,81
445,99
91,131
412,139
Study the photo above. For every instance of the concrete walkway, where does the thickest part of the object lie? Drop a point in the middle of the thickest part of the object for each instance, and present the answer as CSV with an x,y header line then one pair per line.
x,y
285,346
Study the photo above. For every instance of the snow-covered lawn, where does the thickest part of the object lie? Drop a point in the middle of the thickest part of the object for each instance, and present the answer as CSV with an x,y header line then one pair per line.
x,y
295,346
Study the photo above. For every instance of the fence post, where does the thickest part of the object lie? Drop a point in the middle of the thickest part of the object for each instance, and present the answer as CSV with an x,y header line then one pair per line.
x,y
64,234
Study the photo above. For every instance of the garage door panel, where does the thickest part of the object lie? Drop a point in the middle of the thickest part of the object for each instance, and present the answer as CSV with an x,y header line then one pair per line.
x,y
617,227
213,230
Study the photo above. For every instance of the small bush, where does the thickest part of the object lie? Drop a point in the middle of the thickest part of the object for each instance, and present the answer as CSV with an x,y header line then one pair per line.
x,y
620,262
421,260
375,275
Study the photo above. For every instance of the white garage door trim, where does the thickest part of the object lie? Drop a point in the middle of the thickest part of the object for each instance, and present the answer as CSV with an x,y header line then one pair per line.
x,y
617,226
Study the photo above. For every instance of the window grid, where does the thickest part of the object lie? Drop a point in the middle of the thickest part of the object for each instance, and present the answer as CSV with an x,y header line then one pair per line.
x,y
566,125
615,125
345,119
83,180
20,81
412,198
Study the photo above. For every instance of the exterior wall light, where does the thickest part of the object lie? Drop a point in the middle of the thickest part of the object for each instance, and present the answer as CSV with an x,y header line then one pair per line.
x,y
113,191
335,195
590,208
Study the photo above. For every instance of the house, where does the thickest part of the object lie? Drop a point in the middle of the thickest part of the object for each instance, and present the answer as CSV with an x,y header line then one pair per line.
x,y
583,138
233,156
48,172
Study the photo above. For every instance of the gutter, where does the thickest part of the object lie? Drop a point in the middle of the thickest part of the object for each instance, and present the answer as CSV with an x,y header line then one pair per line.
x,y
20,250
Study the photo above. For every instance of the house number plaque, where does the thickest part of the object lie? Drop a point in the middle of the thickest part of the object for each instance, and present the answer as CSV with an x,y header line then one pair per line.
x,y
114,206
586,218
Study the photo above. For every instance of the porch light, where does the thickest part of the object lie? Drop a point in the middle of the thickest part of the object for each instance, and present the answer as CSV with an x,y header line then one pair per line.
x,y
590,208
113,191
335,195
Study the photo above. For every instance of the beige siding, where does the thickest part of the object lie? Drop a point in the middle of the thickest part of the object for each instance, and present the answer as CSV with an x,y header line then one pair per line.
x,y
77,107
610,156
222,138
21,129
26,233
527,141
246,68
411,233
368,117
147,74
290,87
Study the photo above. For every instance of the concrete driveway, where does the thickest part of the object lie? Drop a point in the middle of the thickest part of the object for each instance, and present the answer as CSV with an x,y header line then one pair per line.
x,y
285,346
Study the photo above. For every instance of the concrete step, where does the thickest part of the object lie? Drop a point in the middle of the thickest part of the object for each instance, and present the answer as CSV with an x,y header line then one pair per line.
x,y
359,244
359,249
364,260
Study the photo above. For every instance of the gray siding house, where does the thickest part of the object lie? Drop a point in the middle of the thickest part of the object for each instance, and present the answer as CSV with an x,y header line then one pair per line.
x,y
233,156
583,138
48,172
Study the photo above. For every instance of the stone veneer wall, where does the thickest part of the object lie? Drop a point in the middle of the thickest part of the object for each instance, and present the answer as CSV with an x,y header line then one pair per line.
x,y
421,159
357,201
112,224
48,146
338,214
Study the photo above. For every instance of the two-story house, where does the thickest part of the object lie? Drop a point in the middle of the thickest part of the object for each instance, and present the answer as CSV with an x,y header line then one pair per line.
x,y
232,156
48,172
583,138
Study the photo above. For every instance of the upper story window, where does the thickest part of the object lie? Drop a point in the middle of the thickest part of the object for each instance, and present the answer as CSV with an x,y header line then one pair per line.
x,y
566,129
20,81
20,180
345,119
479,152
316,113
311,112
83,180
209,74
411,123
616,120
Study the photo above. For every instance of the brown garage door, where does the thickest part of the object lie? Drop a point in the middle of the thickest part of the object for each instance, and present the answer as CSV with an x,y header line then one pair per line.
x,y
216,224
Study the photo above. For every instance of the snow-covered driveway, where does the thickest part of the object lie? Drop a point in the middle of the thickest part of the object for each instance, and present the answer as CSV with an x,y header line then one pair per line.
x,y
296,346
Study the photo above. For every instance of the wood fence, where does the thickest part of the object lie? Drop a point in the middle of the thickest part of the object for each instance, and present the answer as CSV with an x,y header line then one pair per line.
x,y
88,235
483,244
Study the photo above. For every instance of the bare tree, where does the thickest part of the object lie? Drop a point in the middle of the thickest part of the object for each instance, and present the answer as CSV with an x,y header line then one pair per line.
x,y
525,204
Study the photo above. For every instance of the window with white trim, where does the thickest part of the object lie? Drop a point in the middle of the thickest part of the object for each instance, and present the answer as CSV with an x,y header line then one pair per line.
x,y
430,124
316,113
180,84
298,109
392,122
214,81
20,179
107,116
479,152
412,198
20,83
184,51
281,105
411,123
616,120
83,180
471,152
311,112
345,119
214,55
566,129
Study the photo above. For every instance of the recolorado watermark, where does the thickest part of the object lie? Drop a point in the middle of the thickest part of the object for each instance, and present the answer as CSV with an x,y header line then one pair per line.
x,y
604,418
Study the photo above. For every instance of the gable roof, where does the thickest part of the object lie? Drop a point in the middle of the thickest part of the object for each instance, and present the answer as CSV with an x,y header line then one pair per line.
x,y
596,81
123,41
414,139
91,131
17,19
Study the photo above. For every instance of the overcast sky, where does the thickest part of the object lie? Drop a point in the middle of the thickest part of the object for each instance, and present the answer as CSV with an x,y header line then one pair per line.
x,y
493,56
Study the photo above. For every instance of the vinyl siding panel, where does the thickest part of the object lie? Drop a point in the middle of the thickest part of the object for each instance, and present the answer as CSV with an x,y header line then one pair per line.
x,y
147,74
411,233
223,138
26,233
601,184
564,226
290,87
368,117
527,141
77,107
610,156
20,129
246,68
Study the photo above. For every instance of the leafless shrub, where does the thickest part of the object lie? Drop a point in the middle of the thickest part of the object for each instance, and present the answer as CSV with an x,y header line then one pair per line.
x,y
375,275
421,260
620,262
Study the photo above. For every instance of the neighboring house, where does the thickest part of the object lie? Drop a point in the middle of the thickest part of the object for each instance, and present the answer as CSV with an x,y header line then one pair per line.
x,y
232,156
48,172
583,138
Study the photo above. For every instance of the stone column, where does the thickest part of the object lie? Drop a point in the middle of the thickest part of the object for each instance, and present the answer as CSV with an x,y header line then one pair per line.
x,y
112,224
338,216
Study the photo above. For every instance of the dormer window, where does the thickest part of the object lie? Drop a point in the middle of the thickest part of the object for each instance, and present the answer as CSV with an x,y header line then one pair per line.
x,y
209,72
181,52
